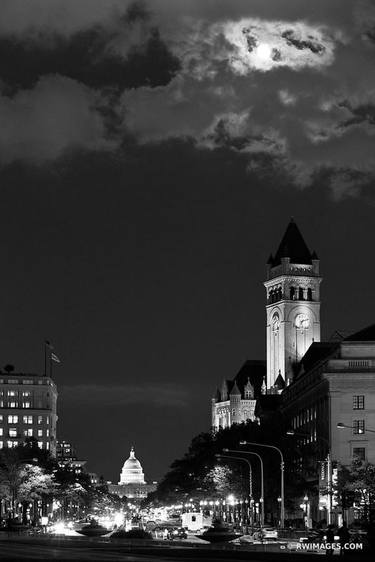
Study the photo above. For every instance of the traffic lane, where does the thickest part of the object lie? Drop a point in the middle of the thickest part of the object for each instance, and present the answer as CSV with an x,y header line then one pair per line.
x,y
17,551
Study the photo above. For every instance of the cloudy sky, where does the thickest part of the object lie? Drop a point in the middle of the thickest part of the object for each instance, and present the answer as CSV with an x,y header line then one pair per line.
x,y
151,155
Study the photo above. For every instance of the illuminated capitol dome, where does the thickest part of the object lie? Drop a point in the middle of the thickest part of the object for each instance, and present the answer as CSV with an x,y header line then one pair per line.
x,y
132,480
132,472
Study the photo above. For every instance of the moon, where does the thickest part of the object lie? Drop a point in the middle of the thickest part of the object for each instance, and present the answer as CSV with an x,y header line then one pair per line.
x,y
263,52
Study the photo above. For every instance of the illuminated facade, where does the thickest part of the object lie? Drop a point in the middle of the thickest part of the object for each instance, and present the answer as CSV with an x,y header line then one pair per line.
x,y
235,401
132,482
293,305
28,410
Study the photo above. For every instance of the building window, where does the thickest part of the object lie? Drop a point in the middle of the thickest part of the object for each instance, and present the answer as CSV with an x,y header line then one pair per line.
x,y
359,453
27,381
47,432
1,431
40,420
12,432
12,393
12,419
28,419
13,404
13,381
40,432
358,427
25,404
11,444
359,402
47,446
1,417
1,444
28,432
40,444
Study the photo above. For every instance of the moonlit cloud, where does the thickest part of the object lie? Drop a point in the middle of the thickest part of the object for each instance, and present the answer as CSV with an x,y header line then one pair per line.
x,y
269,80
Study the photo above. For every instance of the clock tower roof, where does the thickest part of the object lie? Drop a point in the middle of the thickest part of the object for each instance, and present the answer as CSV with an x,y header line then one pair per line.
x,y
294,247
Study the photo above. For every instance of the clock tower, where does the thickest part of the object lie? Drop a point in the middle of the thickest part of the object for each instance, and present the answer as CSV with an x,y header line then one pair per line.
x,y
293,305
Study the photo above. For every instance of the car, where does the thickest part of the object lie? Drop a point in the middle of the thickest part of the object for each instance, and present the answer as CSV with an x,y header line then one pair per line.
x,y
269,533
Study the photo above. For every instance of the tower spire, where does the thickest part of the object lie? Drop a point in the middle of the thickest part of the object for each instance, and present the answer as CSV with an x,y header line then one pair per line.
x,y
293,305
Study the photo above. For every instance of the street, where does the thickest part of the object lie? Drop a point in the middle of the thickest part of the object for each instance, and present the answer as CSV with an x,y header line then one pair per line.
x,y
36,549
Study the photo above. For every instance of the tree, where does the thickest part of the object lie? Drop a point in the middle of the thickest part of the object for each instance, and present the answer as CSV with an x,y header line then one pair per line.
x,y
356,485
21,481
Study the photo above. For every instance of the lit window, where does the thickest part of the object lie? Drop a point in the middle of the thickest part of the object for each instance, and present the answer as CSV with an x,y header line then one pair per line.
x,y
12,393
40,444
359,402
47,432
28,432
13,404
40,420
358,427
11,444
12,432
25,404
1,431
26,394
28,419
360,453
47,446
27,381
40,432
1,417
12,419
1,444
47,420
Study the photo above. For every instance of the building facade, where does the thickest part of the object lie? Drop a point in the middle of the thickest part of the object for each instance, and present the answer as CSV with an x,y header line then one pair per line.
x,y
235,401
28,409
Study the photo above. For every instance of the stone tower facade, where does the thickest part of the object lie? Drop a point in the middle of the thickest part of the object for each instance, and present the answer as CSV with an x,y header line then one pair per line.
x,y
293,305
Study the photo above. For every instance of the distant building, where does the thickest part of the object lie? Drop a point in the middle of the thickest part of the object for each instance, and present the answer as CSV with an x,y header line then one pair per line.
x,y
67,457
132,482
28,410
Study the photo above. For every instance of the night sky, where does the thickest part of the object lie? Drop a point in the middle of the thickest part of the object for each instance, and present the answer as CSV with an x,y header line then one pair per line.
x,y
151,156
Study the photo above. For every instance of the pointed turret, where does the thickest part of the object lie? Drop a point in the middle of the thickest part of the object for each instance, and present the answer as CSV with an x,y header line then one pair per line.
x,y
264,387
235,390
293,246
279,382
248,390
224,390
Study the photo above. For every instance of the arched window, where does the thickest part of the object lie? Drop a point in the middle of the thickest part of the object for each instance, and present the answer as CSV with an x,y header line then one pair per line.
x,y
279,294
300,294
292,293
309,294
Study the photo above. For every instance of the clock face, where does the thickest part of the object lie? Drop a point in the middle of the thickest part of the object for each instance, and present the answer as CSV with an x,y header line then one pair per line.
x,y
302,321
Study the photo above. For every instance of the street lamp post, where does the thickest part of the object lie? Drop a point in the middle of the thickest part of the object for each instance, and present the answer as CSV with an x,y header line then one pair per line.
x,y
261,478
329,470
250,480
282,468
344,426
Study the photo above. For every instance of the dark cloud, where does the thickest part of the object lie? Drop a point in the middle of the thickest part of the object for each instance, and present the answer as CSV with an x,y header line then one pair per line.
x,y
88,57
161,395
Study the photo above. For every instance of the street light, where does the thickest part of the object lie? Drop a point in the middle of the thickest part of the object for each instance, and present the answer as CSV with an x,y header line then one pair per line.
x,y
282,467
261,477
360,431
329,469
231,497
